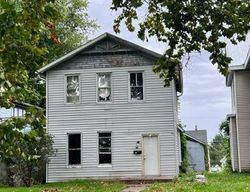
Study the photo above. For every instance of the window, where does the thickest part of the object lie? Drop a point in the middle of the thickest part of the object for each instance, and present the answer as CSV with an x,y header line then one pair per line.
x,y
73,89
136,86
74,149
104,87
105,148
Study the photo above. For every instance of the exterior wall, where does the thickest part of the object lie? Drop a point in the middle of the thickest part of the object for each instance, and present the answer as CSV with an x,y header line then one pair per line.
x,y
127,121
196,156
233,144
242,82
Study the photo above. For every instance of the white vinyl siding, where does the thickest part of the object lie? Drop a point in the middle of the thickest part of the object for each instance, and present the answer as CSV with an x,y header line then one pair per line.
x,y
126,120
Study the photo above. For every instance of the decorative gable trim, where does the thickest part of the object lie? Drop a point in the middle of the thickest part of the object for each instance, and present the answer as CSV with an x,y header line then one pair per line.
x,y
100,49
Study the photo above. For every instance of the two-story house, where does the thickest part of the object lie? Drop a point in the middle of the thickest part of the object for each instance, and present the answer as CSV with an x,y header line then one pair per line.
x,y
110,115
239,119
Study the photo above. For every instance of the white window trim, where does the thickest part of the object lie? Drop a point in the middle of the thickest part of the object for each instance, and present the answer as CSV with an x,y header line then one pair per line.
x,y
67,152
65,88
129,88
111,87
105,165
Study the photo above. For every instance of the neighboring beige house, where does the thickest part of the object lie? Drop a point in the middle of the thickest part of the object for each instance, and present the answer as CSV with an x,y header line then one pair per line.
x,y
239,81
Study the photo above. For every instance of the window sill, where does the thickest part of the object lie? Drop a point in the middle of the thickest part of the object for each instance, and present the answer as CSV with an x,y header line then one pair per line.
x,y
74,166
136,101
77,103
104,102
104,165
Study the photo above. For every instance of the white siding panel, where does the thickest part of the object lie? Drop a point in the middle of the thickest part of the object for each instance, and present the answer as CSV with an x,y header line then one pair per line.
x,y
127,121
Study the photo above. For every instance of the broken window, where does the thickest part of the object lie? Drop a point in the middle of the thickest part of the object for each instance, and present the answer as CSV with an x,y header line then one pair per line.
x,y
74,149
136,86
105,148
104,87
73,92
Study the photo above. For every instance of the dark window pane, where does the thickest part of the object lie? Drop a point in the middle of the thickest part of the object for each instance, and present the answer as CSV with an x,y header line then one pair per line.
x,y
105,159
74,141
104,142
72,99
139,79
104,134
132,79
137,93
74,157
104,147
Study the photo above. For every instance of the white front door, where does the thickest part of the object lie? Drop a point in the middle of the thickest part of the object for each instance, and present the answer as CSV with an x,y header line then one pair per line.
x,y
151,155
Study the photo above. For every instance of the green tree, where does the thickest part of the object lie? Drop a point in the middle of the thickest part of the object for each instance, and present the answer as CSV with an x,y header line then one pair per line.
x,y
186,26
224,127
220,146
218,149
72,31
29,29
64,35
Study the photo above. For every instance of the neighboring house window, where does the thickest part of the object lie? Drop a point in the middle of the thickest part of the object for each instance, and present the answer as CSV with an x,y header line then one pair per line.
x,y
136,86
74,149
73,90
104,87
105,148
18,112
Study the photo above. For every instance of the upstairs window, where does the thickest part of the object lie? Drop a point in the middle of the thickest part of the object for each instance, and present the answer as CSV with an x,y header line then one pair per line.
x,y
104,87
74,149
73,93
136,86
105,148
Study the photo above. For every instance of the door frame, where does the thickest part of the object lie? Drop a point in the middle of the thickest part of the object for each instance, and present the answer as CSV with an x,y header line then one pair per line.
x,y
158,151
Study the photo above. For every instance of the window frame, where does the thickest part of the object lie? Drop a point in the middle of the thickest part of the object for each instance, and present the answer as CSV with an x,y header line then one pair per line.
x,y
65,88
98,150
97,88
143,87
67,143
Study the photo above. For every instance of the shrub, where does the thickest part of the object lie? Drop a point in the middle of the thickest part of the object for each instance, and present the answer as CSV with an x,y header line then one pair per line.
x,y
28,168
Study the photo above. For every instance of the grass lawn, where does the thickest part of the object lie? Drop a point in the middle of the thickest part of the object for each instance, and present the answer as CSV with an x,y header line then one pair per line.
x,y
71,186
217,182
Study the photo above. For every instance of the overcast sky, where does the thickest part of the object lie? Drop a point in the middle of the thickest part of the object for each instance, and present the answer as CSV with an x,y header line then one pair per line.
x,y
206,99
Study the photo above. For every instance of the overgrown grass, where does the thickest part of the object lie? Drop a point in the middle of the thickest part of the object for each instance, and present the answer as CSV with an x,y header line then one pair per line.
x,y
217,182
70,186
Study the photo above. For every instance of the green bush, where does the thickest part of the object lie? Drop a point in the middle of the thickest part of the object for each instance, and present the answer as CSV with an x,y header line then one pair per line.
x,y
29,167
184,154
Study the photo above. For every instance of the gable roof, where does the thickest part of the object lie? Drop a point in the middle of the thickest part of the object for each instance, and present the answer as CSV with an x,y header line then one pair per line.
x,y
200,135
190,137
100,38
91,43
